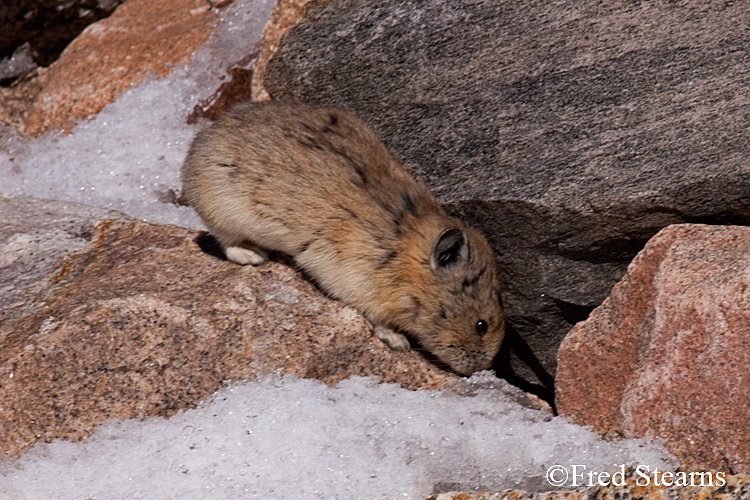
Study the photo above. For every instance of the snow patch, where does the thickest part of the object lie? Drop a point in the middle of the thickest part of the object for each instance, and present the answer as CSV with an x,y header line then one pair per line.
x,y
283,437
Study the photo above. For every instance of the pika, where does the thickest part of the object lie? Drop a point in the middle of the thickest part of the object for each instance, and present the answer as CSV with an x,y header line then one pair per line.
x,y
317,184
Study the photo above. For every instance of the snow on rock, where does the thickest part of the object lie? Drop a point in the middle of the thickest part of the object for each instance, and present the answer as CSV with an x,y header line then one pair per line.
x,y
128,157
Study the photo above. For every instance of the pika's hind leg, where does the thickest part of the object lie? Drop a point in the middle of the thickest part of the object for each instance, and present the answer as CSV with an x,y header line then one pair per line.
x,y
246,253
393,339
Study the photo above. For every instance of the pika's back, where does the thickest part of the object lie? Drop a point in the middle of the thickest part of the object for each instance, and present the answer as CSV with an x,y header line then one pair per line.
x,y
289,172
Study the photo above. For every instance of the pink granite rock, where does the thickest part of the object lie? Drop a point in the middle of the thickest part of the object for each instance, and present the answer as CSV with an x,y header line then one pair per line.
x,y
667,354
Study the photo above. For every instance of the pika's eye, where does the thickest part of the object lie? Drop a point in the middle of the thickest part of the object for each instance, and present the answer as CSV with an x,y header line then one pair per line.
x,y
481,327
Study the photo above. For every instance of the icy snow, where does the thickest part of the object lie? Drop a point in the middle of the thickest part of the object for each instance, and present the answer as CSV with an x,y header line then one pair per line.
x,y
280,437
284,438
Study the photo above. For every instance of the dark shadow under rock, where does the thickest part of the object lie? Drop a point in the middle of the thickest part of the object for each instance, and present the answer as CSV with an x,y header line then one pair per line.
x,y
48,25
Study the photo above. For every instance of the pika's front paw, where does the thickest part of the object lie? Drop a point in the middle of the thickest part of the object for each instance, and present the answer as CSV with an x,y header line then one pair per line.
x,y
394,340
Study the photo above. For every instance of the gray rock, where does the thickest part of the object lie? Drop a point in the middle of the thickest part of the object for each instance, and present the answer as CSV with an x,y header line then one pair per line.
x,y
569,132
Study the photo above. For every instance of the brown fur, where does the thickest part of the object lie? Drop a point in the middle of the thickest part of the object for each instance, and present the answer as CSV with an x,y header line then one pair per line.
x,y
317,184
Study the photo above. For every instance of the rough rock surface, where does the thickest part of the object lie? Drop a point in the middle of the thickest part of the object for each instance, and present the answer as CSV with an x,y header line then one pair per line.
x,y
667,354
34,234
569,132
115,53
138,322
736,487
16,101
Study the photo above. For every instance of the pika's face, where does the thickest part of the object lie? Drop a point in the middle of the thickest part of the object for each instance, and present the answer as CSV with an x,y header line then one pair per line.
x,y
466,313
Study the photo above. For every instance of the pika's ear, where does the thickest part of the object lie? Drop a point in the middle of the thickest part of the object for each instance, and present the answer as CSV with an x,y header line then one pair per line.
x,y
450,251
